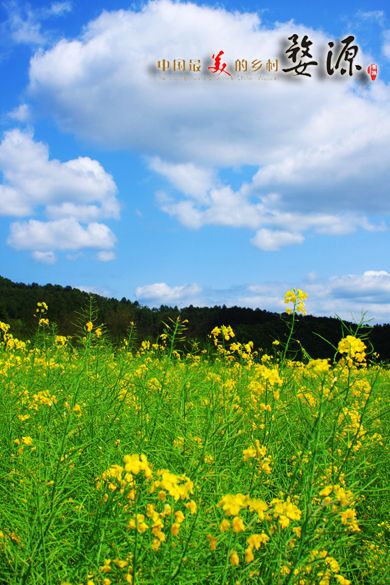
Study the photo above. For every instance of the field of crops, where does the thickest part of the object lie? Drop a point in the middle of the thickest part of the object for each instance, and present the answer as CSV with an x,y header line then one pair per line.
x,y
153,466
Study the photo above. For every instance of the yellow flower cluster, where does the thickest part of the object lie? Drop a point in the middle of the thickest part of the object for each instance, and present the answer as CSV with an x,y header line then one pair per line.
x,y
61,340
327,568
285,512
318,366
4,327
259,452
296,297
120,570
41,307
353,349
336,495
233,504
177,486
165,484
224,331
351,427
254,542
11,343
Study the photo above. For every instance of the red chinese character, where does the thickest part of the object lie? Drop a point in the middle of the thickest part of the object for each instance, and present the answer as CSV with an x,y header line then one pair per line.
x,y
218,67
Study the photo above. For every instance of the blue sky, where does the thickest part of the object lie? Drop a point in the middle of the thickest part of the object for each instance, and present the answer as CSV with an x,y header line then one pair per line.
x,y
174,188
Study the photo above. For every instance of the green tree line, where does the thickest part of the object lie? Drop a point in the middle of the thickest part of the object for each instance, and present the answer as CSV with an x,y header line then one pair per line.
x,y
316,335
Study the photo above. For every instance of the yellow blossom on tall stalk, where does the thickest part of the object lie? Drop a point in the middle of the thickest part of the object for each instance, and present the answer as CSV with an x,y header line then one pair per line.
x,y
297,297
353,349
225,331
4,327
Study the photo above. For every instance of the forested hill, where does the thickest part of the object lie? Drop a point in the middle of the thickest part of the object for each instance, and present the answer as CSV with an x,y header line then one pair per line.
x,y
67,306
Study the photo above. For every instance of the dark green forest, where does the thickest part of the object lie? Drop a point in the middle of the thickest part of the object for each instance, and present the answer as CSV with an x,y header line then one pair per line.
x,y
69,306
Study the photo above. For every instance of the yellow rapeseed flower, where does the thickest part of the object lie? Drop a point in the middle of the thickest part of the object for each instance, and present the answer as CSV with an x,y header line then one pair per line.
x,y
249,556
237,524
296,297
232,504
212,541
234,559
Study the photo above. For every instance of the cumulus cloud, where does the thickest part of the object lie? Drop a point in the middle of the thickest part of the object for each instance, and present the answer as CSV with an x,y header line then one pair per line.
x,y
347,296
266,239
62,234
34,180
161,293
69,193
188,178
373,286
324,165
275,226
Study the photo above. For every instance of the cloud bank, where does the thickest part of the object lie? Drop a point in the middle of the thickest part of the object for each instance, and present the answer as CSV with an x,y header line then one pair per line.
x,y
348,296
69,194
319,144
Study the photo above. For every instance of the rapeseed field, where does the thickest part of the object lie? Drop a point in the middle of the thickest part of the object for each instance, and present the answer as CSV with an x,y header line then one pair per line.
x,y
151,465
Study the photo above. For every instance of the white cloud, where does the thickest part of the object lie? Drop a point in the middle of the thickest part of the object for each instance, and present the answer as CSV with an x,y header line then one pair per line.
x,y
188,178
44,257
43,238
12,202
161,293
106,256
21,114
121,103
59,8
276,227
377,16
310,139
62,186
68,193
35,180
23,24
103,292
373,286
347,296
272,240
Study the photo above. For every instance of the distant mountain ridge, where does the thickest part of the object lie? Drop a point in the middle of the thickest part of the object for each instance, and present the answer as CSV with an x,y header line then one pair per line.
x,y
18,302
